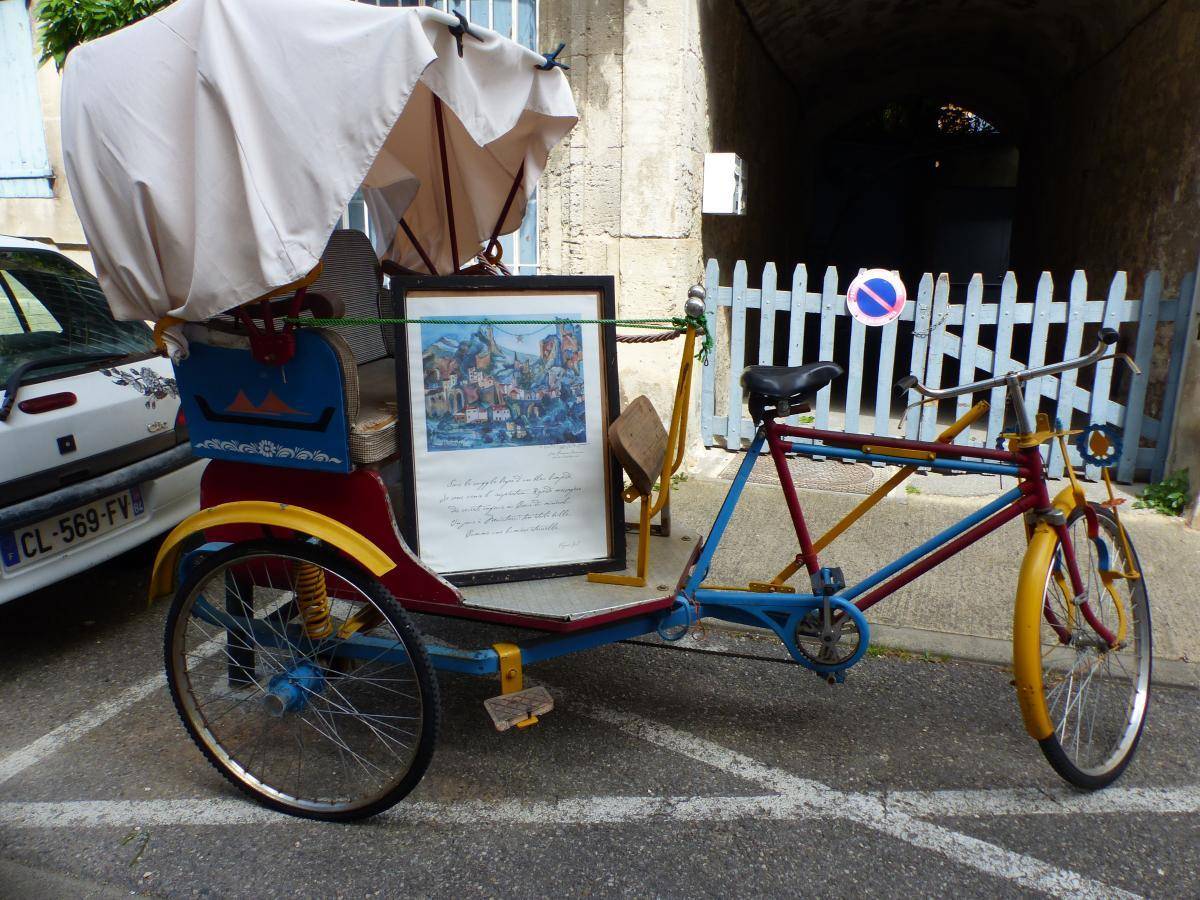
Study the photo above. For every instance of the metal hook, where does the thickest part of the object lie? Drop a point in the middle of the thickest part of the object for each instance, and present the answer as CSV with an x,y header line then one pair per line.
x,y
552,60
463,27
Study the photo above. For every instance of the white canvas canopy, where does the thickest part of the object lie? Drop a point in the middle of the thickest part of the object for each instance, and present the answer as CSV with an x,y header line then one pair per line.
x,y
211,148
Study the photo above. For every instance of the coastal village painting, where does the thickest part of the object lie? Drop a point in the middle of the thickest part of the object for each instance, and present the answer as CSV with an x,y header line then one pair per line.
x,y
499,385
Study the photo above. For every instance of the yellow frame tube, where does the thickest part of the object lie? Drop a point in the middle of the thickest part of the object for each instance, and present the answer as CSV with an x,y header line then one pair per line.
x,y
672,459
264,512
970,416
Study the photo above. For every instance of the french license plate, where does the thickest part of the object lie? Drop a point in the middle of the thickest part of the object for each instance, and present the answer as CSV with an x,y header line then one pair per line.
x,y
59,533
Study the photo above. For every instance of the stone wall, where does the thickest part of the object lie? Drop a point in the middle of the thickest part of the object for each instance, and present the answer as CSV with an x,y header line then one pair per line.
x,y
1114,179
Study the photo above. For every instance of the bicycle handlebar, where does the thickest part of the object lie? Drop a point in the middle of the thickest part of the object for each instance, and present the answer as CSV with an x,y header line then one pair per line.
x,y
1108,337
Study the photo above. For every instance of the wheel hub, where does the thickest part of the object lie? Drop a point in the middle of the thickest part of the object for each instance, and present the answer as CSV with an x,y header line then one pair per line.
x,y
288,691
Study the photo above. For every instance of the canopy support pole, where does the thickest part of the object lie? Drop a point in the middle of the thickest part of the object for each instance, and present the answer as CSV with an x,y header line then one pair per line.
x,y
512,194
441,130
408,233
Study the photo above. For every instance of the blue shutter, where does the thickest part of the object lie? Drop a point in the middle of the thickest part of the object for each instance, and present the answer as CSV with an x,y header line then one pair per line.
x,y
24,166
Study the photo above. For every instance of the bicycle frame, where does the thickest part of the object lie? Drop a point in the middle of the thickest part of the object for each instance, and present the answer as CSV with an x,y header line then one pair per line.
x,y
763,603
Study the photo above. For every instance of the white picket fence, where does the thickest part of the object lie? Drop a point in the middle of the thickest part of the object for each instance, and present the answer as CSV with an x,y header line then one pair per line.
x,y
943,329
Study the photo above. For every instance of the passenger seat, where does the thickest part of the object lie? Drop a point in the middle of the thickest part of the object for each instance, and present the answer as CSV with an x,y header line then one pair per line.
x,y
352,282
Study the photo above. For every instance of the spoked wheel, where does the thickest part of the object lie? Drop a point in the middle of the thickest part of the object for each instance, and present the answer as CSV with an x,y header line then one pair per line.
x,y
1096,696
302,679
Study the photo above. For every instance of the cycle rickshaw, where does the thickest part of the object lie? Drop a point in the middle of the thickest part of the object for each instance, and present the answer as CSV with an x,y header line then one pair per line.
x,y
290,652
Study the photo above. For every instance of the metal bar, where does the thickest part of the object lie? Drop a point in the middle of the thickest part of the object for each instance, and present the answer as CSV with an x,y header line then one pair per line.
x,y
441,130
940,465
468,662
888,486
952,547
839,438
700,571
788,485
933,543
408,233
550,647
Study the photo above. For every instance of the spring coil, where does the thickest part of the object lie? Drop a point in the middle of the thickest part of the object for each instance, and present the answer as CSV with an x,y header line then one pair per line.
x,y
313,601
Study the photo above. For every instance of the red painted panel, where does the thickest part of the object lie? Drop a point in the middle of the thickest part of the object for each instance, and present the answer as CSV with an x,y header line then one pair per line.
x,y
359,500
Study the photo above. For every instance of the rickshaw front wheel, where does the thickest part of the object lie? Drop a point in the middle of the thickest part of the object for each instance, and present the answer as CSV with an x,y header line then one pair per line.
x,y
301,679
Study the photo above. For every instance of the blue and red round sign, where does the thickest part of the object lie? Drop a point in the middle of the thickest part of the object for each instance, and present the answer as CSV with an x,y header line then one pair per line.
x,y
876,297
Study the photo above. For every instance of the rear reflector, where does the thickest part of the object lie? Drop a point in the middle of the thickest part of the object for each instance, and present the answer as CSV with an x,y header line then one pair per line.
x,y
35,405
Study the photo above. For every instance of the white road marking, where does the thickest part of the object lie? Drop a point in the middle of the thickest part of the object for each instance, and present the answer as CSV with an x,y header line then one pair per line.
x,y
73,729
569,811
1035,802
612,810
862,809
901,815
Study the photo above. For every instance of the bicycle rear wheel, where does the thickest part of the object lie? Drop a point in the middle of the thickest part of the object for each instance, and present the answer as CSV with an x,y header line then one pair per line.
x,y
1091,699
301,679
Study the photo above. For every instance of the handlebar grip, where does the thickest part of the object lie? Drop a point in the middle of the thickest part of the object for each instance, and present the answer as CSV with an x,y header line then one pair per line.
x,y
1108,336
905,384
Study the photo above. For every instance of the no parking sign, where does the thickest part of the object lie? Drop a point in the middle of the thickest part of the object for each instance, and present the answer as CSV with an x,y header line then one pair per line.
x,y
876,297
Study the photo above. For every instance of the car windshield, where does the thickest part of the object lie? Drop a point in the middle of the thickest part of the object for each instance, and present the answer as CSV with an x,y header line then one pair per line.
x,y
51,307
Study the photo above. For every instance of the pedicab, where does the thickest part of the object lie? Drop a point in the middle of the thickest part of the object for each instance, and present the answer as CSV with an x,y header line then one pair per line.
x,y
211,150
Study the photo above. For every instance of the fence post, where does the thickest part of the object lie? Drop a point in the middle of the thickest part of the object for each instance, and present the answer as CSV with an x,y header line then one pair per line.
x,y
1037,340
828,320
1001,356
708,373
884,388
920,352
799,308
858,336
737,357
1065,404
1179,345
967,351
1147,320
1100,410
933,367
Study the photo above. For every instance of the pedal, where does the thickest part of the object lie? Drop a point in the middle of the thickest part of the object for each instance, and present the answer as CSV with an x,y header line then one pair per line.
x,y
520,708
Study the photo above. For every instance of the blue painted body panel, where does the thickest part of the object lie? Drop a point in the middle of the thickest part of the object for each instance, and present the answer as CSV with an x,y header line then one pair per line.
x,y
242,410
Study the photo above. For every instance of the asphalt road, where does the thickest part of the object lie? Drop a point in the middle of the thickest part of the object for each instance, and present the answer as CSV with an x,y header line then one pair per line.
x,y
659,773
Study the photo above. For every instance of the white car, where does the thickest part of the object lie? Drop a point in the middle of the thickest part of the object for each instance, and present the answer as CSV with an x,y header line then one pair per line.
x,y
94,456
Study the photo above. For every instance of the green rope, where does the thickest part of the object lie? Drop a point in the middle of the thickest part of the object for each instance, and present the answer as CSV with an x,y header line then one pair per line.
x,y
680,323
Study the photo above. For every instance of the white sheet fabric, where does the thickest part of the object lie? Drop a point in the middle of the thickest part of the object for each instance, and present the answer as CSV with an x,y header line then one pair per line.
x,y
211,148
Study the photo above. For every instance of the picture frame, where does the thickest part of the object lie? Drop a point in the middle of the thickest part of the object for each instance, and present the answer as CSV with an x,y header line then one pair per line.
x,y
508,474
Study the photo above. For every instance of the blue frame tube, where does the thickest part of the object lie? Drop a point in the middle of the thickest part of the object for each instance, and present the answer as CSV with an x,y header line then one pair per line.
x,y
942,465
933,543
700,572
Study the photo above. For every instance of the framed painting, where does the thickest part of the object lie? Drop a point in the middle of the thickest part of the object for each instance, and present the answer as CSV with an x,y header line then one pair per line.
x,y
510,475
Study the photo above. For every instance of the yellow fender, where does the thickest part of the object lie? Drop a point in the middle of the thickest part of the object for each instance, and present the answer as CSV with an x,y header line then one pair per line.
x,y
1027,622
264,512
